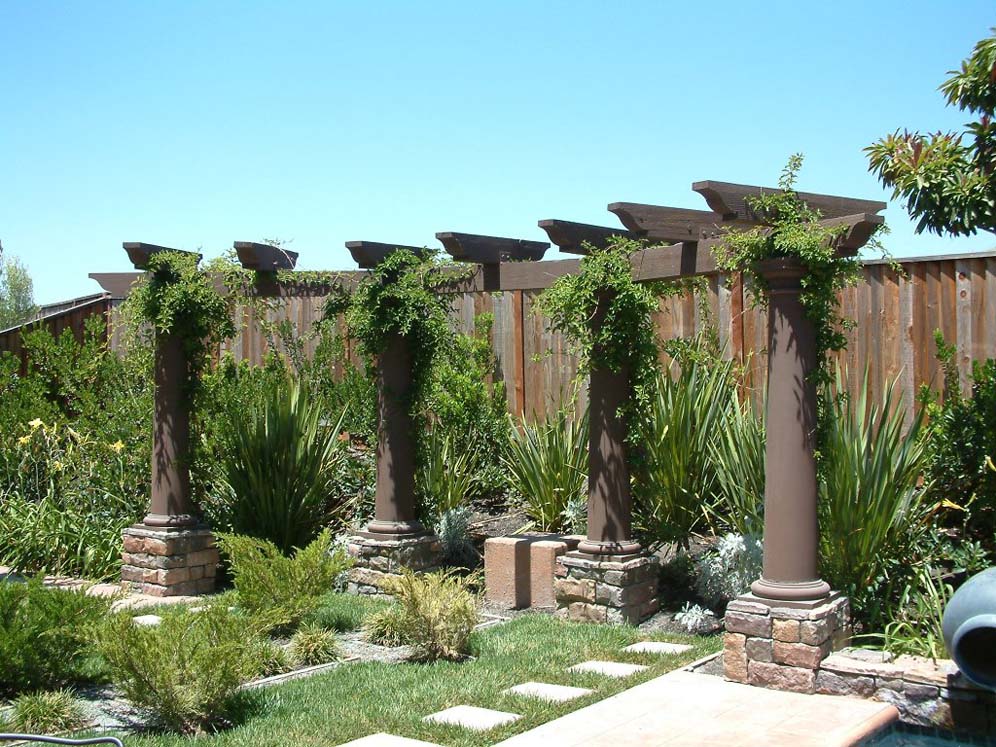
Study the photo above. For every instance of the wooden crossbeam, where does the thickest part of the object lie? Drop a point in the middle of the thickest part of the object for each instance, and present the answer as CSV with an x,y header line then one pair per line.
x,y
570,237
730,200
139,252
264,257
368,254
670,224
490,250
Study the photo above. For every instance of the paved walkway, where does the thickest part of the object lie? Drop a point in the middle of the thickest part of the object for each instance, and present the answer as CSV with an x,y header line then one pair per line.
x,y
682,709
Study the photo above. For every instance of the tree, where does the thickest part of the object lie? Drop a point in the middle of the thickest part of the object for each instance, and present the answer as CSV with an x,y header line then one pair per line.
x,y
947,185
17,303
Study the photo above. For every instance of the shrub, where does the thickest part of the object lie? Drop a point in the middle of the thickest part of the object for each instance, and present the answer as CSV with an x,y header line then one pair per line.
x,y
547,464
874,519
729,570
270,657
453,531
53,712
677,478
311,645
41,643
184,672
387,627
278,591
278,461
437,613
916,627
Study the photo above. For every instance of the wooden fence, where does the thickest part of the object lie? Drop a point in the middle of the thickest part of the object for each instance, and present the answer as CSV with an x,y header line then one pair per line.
x,y
896,312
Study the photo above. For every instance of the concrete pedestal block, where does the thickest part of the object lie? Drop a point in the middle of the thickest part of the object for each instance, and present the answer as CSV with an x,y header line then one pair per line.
x,y
613,589
519,571
780,647
167,561
379,558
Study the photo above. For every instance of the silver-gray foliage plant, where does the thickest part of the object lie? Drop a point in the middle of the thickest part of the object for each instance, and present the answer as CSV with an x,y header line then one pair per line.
x,y
729,570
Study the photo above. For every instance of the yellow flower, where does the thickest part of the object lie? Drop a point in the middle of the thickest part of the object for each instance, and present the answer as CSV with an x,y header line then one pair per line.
x,y
36,423
23,440
57,465
117,446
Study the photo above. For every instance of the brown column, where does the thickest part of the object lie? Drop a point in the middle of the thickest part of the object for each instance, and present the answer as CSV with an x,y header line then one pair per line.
x,y
170,504
394,502
791,534
610,503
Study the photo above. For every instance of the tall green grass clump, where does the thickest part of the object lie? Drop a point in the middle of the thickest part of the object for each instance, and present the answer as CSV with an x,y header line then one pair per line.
x,y
547,465
279,458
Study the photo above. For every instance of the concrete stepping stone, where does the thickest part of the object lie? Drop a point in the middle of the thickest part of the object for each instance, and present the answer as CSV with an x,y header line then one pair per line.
x,y
387,740
550,693
657,647
147,620
472,717
607,668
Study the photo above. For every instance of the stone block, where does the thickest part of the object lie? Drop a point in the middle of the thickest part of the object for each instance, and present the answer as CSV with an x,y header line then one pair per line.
x,y
506,571
785,630
472,717
608,668
582,612
748,624
759,649
570,590
619,596
625,614
814,632
549,693
798,654
779,677
658,647
543,565
829,683
735,657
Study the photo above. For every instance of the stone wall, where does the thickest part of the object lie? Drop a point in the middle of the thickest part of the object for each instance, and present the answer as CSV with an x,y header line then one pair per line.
x,y
926,692
377,561
166,562
613,591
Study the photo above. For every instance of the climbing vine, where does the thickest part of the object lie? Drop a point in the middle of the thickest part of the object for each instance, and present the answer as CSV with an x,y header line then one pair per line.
x,y
792,229
626,338
176,297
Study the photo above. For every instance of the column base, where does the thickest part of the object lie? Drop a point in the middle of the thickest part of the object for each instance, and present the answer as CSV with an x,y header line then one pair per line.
x,y
608,589
378,558
807,593
169,561
781,647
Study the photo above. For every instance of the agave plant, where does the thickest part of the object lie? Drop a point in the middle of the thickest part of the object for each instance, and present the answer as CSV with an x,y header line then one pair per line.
x,y
278,459
547,465
674,487
873,515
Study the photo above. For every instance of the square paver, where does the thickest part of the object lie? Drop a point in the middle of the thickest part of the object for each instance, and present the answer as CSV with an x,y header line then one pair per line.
x,y
472,717
387,740
608,668
657,647
147,620
551,693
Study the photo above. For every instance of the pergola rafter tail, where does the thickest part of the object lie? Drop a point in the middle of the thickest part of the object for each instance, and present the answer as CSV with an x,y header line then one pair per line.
x,y
731,200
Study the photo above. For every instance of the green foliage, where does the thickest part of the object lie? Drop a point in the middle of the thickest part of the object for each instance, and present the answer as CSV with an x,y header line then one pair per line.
x,y
874,519
607,317
791,229
184,672
737,455
438,613
17,303
311,645
447,477
271,658
947,185
52,713
387,626
547,466
278,591
960,436
278,462
916,627
175,297
41,641
453,530
677,479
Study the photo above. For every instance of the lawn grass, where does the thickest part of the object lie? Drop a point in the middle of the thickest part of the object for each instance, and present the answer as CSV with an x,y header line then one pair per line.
x,y
344,612
355,700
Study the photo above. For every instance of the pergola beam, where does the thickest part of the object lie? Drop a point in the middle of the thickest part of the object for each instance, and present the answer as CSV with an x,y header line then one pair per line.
x,y
672,225
368,254
570,237
731,200
140,253
490,250
264,257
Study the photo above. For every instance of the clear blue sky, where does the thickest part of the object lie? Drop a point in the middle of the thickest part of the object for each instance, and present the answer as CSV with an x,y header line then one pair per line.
x,y
196,124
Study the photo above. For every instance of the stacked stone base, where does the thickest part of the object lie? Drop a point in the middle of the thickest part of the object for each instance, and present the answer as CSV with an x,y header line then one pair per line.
x,y
610,589
782,647
377,560
168,562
